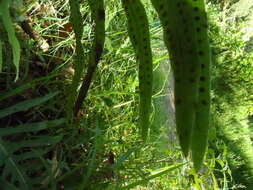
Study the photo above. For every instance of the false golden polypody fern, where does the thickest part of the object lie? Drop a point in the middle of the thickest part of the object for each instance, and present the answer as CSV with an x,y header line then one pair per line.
x,y
98,16
201,127
76,21
138,30
185,34
180,39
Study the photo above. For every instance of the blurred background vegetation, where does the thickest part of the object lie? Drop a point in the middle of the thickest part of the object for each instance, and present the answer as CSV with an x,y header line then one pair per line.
x,y
39,150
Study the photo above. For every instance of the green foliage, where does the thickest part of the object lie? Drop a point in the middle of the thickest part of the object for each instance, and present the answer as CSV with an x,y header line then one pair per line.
x,y
104,151
14,174
232,90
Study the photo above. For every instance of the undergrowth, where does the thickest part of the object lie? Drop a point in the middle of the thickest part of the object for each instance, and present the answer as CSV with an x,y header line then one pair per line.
x,y
39,150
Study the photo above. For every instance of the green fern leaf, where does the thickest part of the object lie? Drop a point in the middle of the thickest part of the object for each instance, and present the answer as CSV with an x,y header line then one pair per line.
x,y
13,171
10,166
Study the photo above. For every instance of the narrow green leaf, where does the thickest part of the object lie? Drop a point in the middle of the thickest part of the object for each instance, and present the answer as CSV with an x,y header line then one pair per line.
x,y
4,9
32,154
31,127
143,181
26,86
25,105
1,56
13,167
7,186
123,158
76,21
39,141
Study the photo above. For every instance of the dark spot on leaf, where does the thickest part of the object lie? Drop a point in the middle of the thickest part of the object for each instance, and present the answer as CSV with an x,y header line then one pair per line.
x,y
204,102
180,11
164,14
98,51
198,29
192,70
101,14
172,45
191,51
196,9
205,25
201,53
188,40
191,80
201,89
178,101
202,78
197,18
202,66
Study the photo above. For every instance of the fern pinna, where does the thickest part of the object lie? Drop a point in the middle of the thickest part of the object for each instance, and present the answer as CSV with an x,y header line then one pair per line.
x,y
184,24
98,16
138,30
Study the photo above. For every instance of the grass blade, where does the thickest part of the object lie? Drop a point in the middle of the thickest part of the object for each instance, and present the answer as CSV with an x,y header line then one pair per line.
x,y
143,181
123,158
31,127
26,86
25,105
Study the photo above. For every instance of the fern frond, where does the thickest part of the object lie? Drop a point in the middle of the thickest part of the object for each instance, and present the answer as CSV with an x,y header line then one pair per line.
x,y
13,173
